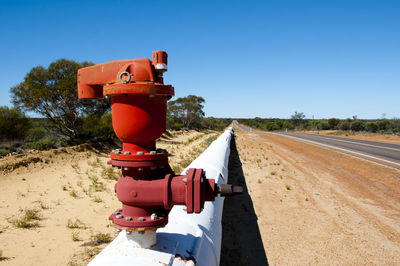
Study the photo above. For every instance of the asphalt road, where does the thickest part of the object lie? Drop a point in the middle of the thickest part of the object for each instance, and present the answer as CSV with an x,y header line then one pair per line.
x,y
380,152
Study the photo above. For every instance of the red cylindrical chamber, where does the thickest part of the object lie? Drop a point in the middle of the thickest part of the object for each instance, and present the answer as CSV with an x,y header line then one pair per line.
x,y
139,119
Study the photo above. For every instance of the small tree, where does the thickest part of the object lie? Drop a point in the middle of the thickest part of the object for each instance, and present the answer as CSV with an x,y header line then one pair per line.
x,y
52,93
384,124
187,110
298,118
333,123
357,125
13,124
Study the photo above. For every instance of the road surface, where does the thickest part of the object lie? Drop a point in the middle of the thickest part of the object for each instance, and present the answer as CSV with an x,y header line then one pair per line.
x,y
384,153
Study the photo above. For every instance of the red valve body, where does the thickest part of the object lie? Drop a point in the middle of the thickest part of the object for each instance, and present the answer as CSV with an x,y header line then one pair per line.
x,y
148,187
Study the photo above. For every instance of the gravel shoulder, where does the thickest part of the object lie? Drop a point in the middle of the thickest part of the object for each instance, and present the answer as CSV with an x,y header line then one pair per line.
x,y
319,206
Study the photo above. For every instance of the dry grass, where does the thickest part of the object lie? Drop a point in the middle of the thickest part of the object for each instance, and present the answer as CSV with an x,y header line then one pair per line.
x,y
84,257
97,199
77,224
109,173
194,152
100,238
95,163
96,185
75,236
43,205
29,219
73,193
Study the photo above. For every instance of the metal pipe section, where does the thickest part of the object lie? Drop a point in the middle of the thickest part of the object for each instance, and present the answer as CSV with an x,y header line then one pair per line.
x,y
187,239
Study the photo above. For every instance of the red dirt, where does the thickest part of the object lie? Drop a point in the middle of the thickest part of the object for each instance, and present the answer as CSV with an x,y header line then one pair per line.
x,y
319,206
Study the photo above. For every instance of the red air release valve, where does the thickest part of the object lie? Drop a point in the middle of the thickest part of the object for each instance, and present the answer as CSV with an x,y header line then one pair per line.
x,y
148,187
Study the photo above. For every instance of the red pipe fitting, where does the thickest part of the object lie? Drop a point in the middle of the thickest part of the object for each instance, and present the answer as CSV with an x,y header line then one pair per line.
x,y
145,203
148,187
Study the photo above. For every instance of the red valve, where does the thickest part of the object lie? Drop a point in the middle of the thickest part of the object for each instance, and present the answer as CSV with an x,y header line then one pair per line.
x,y
148,187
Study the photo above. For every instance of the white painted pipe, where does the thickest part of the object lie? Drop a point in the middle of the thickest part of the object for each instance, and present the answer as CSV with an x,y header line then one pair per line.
x,y
187,239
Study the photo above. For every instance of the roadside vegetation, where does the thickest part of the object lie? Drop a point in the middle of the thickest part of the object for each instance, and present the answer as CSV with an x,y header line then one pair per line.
x,y
353,125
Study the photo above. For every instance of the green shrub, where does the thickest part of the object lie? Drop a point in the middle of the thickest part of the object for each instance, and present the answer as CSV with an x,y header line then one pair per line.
x,y
36,133
357,125
42,145
323,125
344,125
333,123
371,127
13,124
94,126
384,124
4,152
177,126
271,126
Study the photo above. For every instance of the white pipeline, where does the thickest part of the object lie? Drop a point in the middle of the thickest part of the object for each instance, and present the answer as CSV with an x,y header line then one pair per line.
x,y
187,239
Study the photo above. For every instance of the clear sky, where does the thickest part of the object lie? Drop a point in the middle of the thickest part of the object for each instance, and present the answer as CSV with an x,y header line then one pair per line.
x,y
246,58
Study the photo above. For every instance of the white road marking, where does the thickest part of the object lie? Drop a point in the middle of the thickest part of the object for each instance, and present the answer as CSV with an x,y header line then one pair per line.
x,y
365,144
345,150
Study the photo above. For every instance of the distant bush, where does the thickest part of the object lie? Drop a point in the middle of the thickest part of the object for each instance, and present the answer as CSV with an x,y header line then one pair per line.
x,y
177,126
271,126
371,127
42,145
99,127
36,133
384,124
104,128
324,125
344,125
357,125
13,124
333,123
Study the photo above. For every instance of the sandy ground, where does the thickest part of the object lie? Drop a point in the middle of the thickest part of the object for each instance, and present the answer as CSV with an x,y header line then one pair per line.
x,y
302,204
315,206
367,136
69,186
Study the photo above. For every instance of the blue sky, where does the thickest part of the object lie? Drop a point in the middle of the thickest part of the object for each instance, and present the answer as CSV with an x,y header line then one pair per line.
x,y
246,58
